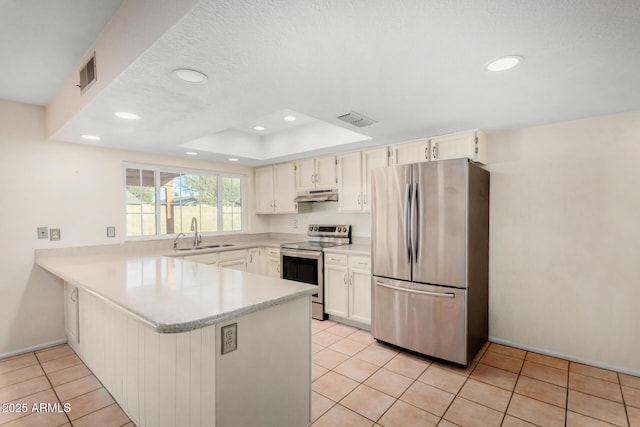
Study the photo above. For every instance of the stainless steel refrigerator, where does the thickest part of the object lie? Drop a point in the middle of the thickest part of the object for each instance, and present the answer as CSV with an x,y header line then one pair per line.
x,y
430,252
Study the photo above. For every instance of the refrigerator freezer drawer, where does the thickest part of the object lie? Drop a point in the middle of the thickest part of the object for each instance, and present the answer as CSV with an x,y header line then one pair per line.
x,y
427,319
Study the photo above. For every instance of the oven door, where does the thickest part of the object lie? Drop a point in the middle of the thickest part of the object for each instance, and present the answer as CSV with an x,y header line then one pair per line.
x,y
303,266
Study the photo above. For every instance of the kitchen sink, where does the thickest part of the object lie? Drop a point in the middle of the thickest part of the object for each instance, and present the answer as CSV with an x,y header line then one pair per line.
x,y
195,248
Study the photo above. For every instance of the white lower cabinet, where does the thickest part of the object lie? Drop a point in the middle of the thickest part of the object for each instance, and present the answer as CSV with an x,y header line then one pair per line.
x,y
235,260
347,286
255,261
273,262
210,259
71,318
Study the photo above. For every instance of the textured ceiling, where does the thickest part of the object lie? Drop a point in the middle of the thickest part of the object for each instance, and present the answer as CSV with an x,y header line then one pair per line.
x,y
41,42
416,67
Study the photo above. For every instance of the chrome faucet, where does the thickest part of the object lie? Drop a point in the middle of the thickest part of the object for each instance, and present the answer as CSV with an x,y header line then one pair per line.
x,y
175,241
194,227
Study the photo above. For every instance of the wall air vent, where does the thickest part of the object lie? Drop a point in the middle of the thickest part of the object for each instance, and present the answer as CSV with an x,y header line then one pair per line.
x,y
88,73
356,119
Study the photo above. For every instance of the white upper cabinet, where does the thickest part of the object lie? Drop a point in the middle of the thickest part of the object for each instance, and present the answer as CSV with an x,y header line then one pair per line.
x,y
312,174
409,152
285,188
264,189
354,178
471,144
371,159
275,189
350,182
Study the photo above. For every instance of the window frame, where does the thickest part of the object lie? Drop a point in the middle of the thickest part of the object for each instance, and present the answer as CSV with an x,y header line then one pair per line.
x,y
158,169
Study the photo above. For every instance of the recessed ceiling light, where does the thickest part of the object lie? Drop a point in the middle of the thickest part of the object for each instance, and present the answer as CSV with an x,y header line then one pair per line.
x,y
233,159
125,115
190,76
91,137
191,153
504,63
258,127
290,118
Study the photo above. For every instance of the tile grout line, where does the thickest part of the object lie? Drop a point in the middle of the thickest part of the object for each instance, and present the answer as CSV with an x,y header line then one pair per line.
x,y
51,385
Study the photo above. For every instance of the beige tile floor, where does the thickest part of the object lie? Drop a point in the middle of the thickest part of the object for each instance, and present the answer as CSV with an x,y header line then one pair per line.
x,y
54,376
360,382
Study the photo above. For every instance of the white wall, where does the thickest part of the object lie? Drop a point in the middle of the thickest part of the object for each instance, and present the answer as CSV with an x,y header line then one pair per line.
x,y
76,188
565,239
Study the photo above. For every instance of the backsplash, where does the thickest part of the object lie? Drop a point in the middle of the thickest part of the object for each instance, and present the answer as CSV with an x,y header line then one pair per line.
x,y
321,213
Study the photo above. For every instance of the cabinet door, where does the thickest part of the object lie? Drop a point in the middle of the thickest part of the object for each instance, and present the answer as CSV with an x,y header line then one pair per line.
x,y
326,172
305,175
273,267
71,317
285,188
264,185
254,260
349,182
410,152
238,264
336,290
371,159
454,146
360,296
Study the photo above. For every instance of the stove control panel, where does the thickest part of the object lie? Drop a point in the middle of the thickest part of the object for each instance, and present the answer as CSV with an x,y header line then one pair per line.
x,y
318,230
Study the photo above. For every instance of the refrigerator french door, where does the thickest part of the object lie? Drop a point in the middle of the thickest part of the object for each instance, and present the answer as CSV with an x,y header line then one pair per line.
x,y
430,257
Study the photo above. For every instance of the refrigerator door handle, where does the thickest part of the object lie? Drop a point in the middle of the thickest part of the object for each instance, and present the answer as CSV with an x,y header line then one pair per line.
x,y
407,219
415,291
414,222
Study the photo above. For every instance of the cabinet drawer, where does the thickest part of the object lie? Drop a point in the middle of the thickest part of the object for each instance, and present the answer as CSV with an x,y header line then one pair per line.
x,y
203,258
335,259
361,262
273,252
232,255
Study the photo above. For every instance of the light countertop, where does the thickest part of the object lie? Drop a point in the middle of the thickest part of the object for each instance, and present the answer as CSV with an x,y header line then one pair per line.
x,y
171,294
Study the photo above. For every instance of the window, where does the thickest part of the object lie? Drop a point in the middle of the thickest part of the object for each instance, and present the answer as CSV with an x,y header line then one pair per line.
x,y
163,201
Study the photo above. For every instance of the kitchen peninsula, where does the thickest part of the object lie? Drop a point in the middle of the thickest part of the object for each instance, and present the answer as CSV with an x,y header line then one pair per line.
x,y
150,327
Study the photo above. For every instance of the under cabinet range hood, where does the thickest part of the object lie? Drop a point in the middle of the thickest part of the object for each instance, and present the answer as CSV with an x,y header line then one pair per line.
x,y
327,195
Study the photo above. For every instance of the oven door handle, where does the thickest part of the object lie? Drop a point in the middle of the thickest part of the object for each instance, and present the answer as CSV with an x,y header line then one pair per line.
x,y
301,254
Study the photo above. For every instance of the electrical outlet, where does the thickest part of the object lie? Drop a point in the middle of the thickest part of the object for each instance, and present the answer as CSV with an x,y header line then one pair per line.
x,y
295,223
55,234
43,232
111,232
229,338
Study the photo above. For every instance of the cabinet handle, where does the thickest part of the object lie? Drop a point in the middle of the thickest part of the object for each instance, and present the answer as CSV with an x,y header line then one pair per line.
x,y
434,152
335,259
351,280
313,177
74,294
426,153
359,199
363,263
250,258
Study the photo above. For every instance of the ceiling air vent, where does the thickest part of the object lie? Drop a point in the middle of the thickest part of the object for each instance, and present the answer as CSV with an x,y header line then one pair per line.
x,y
88,73
356,119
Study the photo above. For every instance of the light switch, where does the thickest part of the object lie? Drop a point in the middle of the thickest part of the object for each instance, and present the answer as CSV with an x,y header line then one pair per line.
x,y
43,232
111,232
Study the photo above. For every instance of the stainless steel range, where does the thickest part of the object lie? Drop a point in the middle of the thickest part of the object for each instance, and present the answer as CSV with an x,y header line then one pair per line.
x,y
304,262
